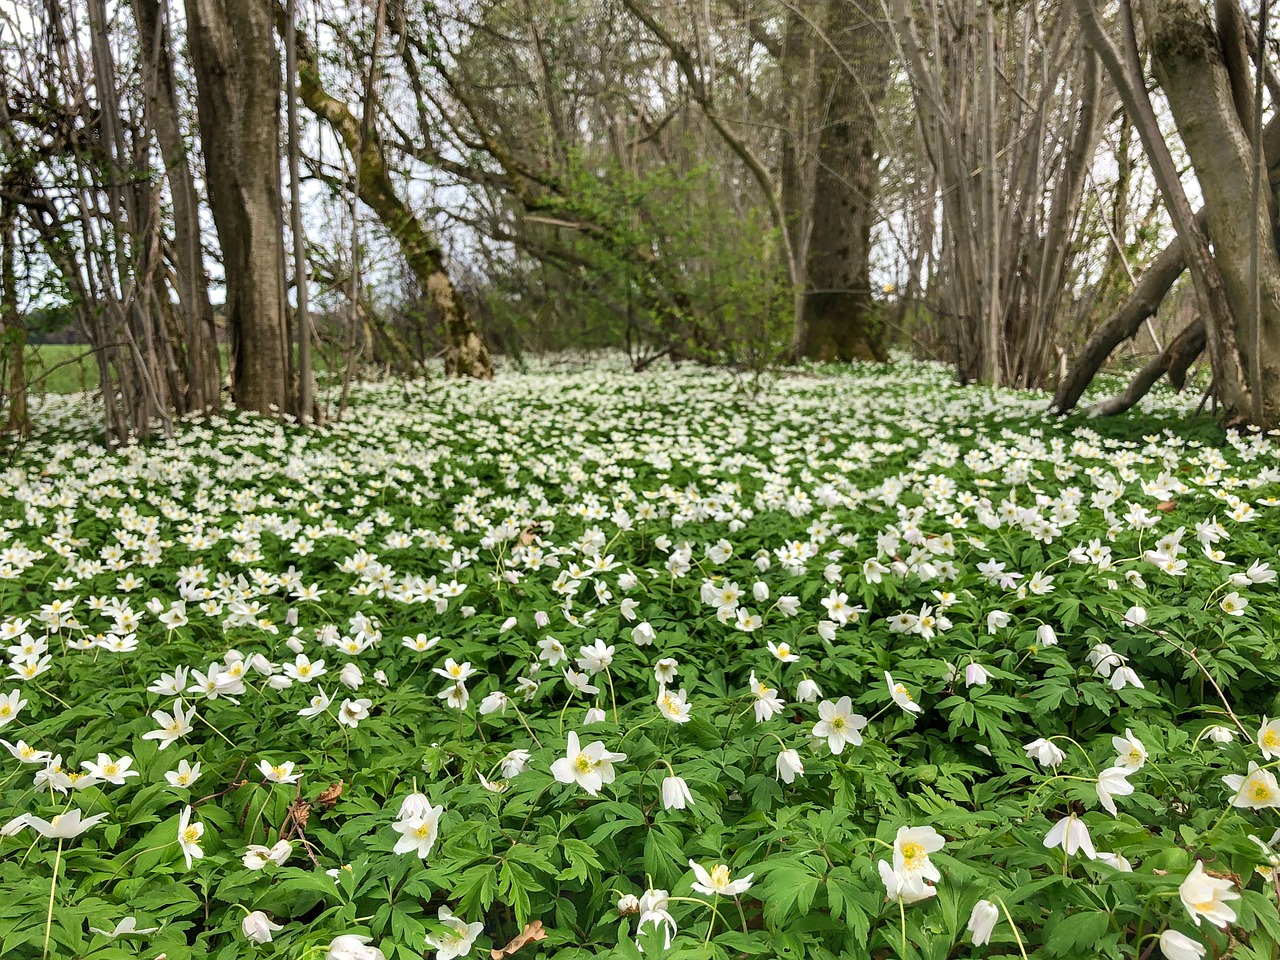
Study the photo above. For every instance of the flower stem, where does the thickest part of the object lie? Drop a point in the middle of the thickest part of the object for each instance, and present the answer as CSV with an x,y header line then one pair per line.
x,y
1016,935
53,886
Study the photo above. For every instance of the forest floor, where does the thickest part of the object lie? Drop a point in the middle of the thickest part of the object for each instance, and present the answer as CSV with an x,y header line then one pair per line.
x,y
579,661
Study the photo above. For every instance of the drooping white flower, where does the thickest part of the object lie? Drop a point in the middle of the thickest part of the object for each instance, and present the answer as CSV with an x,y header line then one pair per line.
x,y
982,921
895,890
258,927
675,794
1045,752
1113,782
1072,836
789,766
1178,946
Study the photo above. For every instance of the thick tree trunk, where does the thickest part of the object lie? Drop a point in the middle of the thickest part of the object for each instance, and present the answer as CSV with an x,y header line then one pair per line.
x,y
836,319
203,373
1189,62
238,93
465,352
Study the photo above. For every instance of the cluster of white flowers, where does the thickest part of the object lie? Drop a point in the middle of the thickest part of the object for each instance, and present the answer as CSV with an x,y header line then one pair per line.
x,y
173,539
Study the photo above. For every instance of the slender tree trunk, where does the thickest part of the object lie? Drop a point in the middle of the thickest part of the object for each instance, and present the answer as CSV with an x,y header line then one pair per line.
x,y
238,93
12,331
204,367
301,280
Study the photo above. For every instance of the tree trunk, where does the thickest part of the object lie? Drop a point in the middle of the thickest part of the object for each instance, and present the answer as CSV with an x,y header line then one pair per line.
x,y
465,352
12,332
204,367
1124,323
1173,360
1189,62
301,278
836,320
238,94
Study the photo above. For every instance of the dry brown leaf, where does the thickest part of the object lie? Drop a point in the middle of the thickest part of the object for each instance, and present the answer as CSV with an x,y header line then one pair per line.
x,y
330,794
528,534
300,813
532,932
1166,506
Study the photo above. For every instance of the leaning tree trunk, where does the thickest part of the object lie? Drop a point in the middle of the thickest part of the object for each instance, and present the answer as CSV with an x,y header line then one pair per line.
x,y
238,94
1173,361
836,319
1124,323
465,352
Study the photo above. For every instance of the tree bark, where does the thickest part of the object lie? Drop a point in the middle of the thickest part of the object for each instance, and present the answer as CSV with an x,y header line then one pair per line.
x,y
1189,62
301,277
836,320
238,94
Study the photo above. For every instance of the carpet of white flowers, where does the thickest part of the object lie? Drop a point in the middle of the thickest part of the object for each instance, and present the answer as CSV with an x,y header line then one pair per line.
x,y
584,663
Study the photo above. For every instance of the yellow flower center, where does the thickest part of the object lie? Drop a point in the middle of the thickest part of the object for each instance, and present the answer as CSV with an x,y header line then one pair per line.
x,y
423,831
191,834
1260,792
583,763
720,876
912,854
837,723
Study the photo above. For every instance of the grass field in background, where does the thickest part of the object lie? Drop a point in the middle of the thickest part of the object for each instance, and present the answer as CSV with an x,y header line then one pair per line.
x,y
71,367
61,368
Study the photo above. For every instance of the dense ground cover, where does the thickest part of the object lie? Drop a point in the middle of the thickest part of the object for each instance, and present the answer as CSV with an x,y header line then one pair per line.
x,y
860,665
